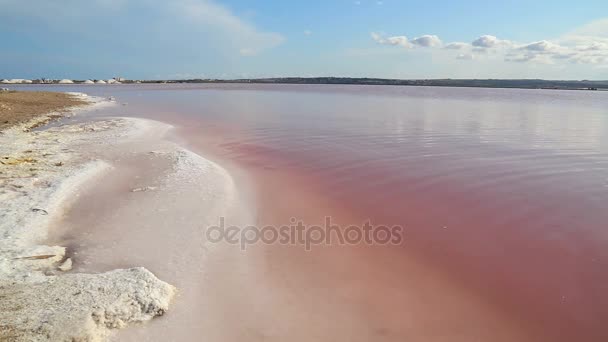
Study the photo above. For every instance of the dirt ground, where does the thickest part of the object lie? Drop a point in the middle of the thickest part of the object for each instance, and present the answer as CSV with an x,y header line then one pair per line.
x,y
17,107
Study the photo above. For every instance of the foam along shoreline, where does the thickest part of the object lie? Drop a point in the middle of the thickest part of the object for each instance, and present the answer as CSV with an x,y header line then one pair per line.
x,y
41,175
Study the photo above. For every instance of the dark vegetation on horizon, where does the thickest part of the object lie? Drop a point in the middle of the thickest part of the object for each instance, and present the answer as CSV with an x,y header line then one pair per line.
x,y
484,83
446,82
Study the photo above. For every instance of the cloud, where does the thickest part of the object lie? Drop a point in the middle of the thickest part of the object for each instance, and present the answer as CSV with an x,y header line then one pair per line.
x,y
465,56
528,57
394,41
399,40
248,39
586,45
307,32
487,41
422,41
541,46
596,30
595,46
457,46
100,19
427,41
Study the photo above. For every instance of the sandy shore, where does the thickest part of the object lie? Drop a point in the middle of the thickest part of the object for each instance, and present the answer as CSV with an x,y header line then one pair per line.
x,y
152,210
41,175
25,108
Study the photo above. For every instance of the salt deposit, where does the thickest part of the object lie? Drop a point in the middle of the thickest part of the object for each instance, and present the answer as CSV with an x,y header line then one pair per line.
x,y
158,199
42,174
16,81
65,81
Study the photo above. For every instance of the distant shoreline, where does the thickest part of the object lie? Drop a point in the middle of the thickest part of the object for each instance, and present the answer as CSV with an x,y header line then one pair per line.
x,y
590,85
468,83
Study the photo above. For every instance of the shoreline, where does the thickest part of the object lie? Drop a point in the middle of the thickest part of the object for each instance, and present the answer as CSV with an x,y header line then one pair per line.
x,y
42,175
29,110
152,210
532,84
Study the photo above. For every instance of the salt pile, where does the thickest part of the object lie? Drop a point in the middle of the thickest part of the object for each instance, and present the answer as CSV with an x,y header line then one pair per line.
x,y
16,81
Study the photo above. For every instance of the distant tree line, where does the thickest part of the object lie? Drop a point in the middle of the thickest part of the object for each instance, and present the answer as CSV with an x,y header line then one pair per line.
x,y
484,83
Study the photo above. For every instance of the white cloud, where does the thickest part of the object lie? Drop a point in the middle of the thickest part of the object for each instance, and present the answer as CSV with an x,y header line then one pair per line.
x,y
203,17
541,46
307,32
246,37
595,46
427,41
465,56
590,59
586,45
457,46
528,57
487,41
595,30
395,41
399,40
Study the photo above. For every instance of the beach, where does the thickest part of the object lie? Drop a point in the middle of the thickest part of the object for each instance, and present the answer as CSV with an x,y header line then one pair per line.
x,y
84,204
91,168
26,108
42,174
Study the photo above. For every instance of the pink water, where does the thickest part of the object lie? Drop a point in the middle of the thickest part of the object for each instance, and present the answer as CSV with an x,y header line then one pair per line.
x,y
502,194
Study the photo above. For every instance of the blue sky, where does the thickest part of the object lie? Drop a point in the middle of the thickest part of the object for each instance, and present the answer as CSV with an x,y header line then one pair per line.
x,y
245,38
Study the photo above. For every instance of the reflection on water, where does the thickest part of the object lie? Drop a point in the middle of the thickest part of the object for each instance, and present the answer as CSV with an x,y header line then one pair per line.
x,y
503,192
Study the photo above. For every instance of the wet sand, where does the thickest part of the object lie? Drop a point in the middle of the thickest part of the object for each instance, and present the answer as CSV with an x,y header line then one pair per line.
x,y
21,107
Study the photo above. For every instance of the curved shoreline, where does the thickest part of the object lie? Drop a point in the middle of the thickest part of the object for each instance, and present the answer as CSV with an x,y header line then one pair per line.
x,y
152,210
47,170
